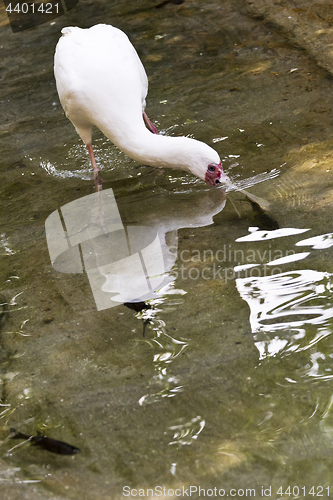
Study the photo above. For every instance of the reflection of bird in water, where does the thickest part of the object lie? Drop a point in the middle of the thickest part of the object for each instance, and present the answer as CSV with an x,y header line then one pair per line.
x,y
101,81
138,306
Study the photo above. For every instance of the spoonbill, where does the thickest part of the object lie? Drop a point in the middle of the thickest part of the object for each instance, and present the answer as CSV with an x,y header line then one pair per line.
x,y
101,82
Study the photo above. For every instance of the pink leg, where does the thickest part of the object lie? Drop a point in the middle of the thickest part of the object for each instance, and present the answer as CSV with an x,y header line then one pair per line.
x,y
149,124
97,179
92,158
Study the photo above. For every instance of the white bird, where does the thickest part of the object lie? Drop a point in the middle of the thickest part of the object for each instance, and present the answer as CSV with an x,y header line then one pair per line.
x,y
101,82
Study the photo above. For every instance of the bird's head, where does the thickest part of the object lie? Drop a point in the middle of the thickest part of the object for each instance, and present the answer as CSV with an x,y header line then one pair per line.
x,y
204,162
215,175
187,154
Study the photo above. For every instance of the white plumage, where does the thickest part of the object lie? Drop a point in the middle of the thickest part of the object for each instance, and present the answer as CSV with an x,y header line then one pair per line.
x,y
101,81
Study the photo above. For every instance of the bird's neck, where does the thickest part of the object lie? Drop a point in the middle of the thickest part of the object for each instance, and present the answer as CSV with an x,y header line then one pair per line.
x,y
155,150
151,149
158,150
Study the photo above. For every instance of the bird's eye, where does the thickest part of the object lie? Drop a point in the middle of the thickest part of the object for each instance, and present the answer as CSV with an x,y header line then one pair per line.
x,y
211,168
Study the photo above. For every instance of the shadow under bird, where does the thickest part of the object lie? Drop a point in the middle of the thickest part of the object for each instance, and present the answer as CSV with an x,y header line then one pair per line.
x,y
101,82
47,443
263,220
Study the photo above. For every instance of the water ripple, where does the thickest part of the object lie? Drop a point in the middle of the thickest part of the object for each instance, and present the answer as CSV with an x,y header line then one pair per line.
x,y
318,242
290,311
184,433
287,299
252,181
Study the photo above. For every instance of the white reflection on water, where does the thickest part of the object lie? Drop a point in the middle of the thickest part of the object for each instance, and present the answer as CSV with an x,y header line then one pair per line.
x,y
286,299
184,433
288,258
5,245
270,235
166,349
292,310
318,242
163,384
283,304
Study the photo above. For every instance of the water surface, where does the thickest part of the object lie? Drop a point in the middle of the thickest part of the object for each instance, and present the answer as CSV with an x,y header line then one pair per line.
x,y
231,386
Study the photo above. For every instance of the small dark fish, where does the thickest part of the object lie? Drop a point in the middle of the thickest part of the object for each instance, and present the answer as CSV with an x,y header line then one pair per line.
x,y
47,443
176,2
260,217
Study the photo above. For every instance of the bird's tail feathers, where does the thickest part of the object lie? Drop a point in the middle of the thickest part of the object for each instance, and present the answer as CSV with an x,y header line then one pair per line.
x,y
68,30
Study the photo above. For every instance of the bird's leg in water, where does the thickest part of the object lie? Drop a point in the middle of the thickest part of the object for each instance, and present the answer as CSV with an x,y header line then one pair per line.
x,y
98,183
92,157
97,179
149,124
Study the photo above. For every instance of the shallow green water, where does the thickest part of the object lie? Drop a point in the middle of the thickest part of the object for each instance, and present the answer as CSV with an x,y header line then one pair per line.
x,y
231,386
